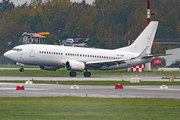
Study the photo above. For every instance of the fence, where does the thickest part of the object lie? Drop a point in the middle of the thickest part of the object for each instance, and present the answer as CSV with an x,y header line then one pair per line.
x,y
4,60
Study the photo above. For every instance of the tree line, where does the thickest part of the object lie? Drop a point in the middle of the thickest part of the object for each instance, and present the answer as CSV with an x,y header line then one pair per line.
x,y
106,22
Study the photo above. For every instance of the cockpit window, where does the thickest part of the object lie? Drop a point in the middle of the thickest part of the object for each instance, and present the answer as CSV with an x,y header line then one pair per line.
x,y
15,49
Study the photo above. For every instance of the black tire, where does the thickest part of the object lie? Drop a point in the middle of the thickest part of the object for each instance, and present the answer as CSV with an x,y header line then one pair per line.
x,y
87,74
72,74
21,69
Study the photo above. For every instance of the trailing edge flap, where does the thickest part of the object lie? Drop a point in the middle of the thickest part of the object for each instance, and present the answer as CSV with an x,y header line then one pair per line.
x,y
157,55
106,63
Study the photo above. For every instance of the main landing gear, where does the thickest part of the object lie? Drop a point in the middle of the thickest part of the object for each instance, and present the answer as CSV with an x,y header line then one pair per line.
x,y
87,74
73,74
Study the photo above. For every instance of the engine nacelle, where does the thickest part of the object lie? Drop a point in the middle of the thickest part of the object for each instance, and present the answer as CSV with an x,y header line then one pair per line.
x,y
50,68
75,66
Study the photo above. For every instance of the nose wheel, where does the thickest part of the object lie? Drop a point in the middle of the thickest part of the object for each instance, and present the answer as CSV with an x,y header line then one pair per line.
x,y
21,69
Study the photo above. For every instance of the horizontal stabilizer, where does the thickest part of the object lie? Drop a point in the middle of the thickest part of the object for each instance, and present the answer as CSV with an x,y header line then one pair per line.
x,y
157,55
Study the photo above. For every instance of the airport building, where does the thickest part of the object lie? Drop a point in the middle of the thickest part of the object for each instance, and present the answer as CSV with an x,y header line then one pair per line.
x,y
174,59
32,38
167,41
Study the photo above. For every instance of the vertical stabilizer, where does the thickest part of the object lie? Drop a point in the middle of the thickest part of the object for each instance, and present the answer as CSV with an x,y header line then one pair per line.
x,y
145,39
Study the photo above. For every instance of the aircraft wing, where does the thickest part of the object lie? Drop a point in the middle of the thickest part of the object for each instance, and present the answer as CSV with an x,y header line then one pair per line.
x,y
107,63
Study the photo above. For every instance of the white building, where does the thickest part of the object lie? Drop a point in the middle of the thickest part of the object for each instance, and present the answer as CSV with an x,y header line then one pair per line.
x,y
175,57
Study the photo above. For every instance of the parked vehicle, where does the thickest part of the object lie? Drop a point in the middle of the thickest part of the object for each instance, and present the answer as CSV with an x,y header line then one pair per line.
x,y
70,40
79,40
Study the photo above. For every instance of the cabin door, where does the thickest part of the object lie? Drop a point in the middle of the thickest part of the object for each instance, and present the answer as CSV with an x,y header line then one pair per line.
x,y
32,51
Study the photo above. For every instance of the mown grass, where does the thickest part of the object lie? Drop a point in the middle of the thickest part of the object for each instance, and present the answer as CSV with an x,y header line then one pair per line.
x,y
98,82
77,108
15,66
64,72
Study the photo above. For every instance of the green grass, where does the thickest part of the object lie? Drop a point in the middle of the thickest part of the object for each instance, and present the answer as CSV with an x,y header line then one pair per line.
x,y
77,108
98,82
15,66
64,72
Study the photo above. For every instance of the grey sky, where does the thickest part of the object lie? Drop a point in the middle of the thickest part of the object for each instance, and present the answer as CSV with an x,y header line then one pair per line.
x,y
16,2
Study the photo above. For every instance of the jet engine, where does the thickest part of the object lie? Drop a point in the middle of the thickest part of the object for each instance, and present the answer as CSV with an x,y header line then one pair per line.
x,y
50,68
75,66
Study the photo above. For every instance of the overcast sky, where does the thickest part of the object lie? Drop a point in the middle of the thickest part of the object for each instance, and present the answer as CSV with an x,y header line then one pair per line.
x,y
16,2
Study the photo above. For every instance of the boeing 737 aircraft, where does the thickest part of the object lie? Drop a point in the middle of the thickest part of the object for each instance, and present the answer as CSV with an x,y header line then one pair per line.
x,y
53,57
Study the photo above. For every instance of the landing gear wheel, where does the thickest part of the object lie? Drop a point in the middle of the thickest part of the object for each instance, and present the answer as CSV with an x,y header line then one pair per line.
x,y
21,69
72,74
87,74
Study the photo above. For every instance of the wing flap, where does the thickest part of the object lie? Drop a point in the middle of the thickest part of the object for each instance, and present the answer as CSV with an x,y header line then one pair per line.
x,y
99,64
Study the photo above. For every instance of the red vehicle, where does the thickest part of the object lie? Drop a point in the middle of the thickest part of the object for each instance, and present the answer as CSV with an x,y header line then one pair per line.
x,y
78,40
157,62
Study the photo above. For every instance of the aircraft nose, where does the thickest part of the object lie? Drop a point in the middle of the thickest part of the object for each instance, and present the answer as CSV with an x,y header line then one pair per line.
x,y
7,54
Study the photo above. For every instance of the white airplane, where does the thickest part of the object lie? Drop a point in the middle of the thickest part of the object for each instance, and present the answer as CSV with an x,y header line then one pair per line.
x,y
53,57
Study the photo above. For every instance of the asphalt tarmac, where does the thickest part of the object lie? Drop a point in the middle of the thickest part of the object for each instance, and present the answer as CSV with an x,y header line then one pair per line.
x,y
93,78
51,90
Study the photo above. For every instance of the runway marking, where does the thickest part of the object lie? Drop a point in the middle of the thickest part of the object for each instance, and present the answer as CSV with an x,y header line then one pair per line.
x,y
23,90
7,88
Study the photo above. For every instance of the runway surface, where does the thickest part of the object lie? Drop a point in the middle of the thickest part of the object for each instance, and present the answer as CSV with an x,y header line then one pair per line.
x,y
42,90
93,78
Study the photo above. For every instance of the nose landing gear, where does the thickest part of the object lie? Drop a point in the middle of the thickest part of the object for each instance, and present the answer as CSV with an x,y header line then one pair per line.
x,y
22,65
21,69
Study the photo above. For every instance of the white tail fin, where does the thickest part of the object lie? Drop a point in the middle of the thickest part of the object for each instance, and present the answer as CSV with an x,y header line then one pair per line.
x,y
145,39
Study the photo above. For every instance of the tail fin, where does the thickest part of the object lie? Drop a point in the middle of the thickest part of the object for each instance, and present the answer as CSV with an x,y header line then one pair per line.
x,y
145,39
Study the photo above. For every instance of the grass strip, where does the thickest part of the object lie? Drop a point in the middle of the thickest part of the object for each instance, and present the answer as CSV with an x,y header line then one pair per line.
x,y
64,72
98,82
77,108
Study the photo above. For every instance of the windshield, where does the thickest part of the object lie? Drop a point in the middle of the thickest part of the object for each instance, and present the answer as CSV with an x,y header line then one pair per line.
x,y
16,49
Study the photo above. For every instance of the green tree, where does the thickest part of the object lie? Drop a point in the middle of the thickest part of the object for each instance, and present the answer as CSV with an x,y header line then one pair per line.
x,y
50,39
6,5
